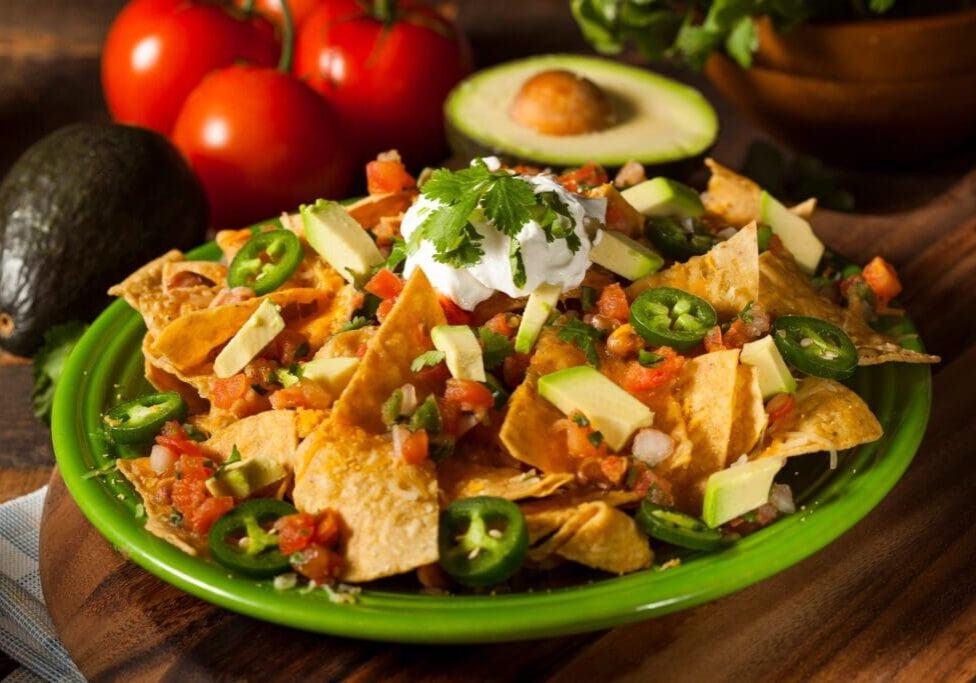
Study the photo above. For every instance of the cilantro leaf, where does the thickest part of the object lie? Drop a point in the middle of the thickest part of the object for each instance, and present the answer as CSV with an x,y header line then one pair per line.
x,y
507,203
497,347
517,264
354,324
648,359
398,254
427,359
49,364
584,337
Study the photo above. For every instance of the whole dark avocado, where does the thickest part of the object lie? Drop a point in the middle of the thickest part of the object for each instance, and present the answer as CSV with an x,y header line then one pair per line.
x,y
81,209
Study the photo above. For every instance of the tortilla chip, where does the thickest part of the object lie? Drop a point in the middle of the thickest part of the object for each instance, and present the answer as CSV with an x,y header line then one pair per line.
x,y
707,390
608,540
208,274
727,277
198,383
527,431
231,241
389,508
750,418
827,415
545,516
159,523
166,381
670,418
732,199
404,335
270,434
784,289
347,344
460,479
369,210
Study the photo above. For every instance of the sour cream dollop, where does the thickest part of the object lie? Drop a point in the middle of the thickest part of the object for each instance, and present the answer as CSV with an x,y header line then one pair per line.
x,y
545,262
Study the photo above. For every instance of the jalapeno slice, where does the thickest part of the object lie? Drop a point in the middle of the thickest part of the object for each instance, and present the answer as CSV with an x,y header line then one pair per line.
x,y
677,528
266,261
140,419
258,556
815,346
665,316
482,540
670,236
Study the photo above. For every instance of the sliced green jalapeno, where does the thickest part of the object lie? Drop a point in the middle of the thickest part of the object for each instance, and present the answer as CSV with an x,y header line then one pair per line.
x,y
258,556
665,316
676,528
266,261
815,346
482,540
670,236
140,419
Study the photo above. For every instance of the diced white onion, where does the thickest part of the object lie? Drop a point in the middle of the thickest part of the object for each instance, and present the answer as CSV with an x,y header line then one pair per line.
x,y
781,498
161,459
652,447
400,435
408,404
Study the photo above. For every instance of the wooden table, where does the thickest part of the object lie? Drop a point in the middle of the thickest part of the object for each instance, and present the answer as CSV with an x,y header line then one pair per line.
x,y
893,598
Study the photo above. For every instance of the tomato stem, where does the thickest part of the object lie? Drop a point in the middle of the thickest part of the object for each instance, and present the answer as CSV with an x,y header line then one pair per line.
x,y
287,38
384,10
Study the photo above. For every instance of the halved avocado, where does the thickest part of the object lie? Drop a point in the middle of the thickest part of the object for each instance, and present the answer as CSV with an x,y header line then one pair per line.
x,y
653,119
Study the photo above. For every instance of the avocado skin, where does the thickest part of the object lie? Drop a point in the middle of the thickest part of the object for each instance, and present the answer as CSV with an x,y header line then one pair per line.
x,y
80,210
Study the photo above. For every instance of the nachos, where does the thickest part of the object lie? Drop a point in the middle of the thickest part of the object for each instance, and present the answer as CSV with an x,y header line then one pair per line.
x,y
500,372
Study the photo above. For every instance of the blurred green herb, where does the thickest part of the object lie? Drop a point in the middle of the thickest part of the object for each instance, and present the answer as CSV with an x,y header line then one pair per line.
x,y
794,179
49,364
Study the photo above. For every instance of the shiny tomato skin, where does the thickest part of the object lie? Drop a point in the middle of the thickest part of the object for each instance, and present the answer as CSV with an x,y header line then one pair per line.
x,y
300,9
158,51
261,142
388,82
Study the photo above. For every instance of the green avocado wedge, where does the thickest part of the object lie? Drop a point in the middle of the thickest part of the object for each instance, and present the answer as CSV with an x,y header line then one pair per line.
x,y
656,120
107,367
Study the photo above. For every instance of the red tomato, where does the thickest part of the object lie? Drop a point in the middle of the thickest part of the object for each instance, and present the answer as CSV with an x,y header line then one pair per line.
x,y
637,378
304,394
318,564
384,176
295,532
387,77
713,340
455,314
300,9
581,444
385,284
501,323
613,303
262,142
415,447
384,308
208,512
470,395
882,279
328,528
158,51
586,177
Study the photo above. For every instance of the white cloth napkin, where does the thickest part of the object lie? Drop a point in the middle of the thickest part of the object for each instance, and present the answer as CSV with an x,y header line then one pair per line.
x,y
26,632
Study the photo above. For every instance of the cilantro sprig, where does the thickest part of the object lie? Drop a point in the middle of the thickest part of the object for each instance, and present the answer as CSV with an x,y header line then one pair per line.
x,y
582,336
507,201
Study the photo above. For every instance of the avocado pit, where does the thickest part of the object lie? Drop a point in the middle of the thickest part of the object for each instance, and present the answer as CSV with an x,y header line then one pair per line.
x,y
560,102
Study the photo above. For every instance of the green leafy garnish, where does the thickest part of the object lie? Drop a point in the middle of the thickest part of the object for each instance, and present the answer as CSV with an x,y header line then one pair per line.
x,y
497,347
587,298
648,359
584,337
426,417
580,419
428,359
506,200
354,324
390,411
49,364
595,438
394,262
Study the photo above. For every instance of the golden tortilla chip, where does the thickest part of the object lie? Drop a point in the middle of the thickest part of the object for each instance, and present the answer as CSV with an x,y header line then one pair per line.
x,y
198,383
732,199
404,335
166,381
270,434
707,390
460,479
727,277
670,418
369,210
608,540
827,416
749,421
351,343
149,486
184,274
231,241
784,289
545,516
389,508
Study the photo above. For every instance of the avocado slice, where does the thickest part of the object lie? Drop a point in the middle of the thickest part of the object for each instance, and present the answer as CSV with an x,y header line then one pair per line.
x,y
653,119
738,489
542,302
245,477
624,256
340,240
794,231
332,373
664,197
774,376
611,410
256,333
462,352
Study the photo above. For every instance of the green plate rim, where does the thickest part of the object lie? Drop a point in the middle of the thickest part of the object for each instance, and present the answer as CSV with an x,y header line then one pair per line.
x,y
900,395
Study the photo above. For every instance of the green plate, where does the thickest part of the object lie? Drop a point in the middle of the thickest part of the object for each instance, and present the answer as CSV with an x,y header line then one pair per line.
x,y
107,366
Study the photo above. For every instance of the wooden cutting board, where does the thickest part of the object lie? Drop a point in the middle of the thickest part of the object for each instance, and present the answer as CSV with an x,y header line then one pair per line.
x,y
894,597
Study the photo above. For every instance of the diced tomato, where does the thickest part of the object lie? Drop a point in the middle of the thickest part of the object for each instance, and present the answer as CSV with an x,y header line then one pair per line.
x,y
328,529
470,395
736,336
613,303
318,564
580,442
621,216
637,378
384,308
614,468
500,324
260,372
647,482
514,368
780,406
295,532
207,512
882,279
385,284
174,437
188,494
415,447
523,169
713,340
224,392
304,394
287,347
586,177
384,176
455,314
450,416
